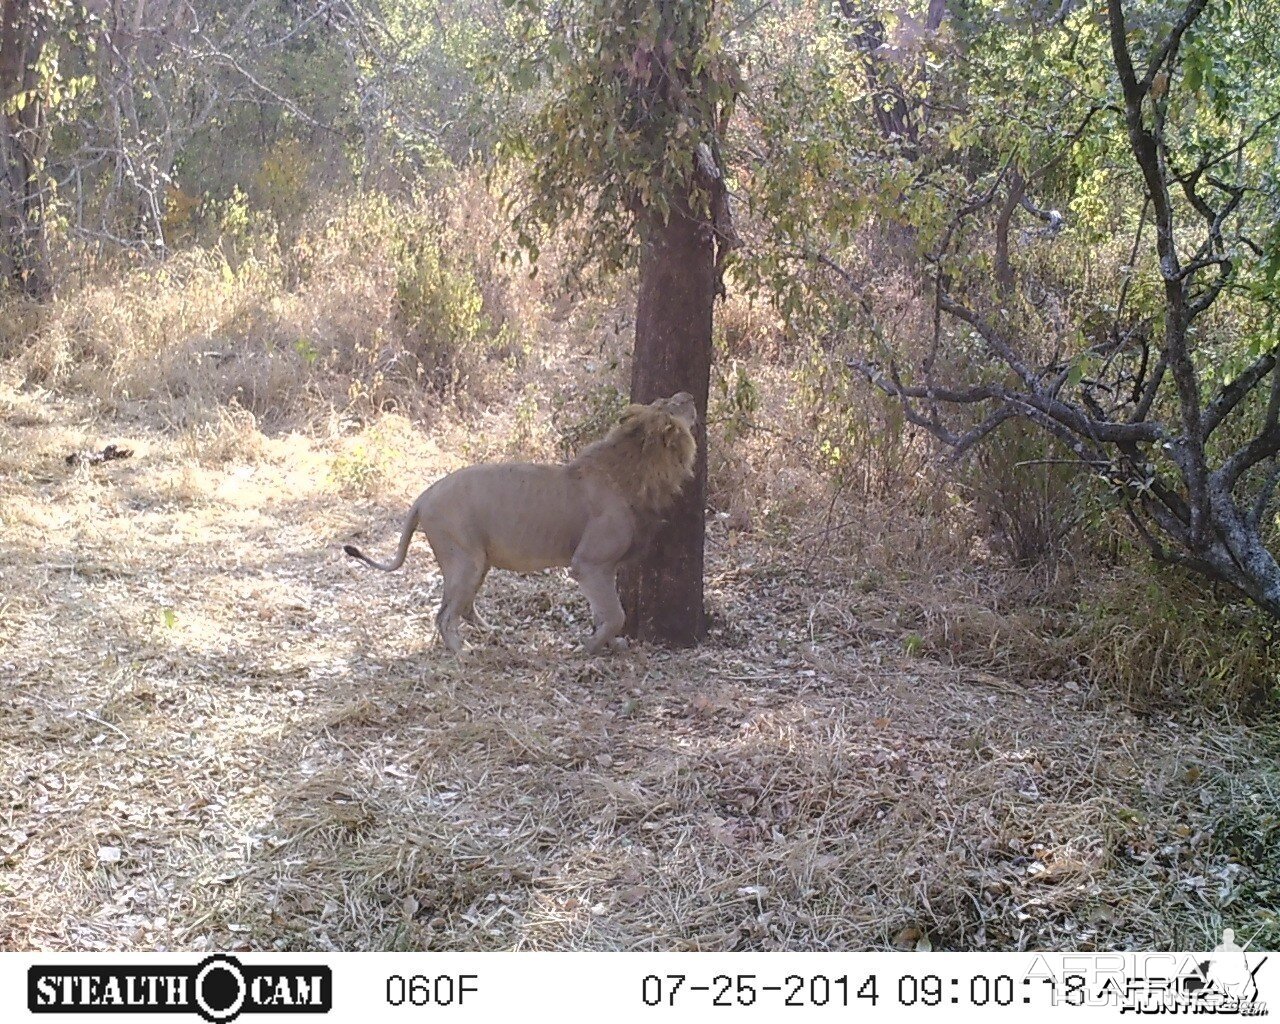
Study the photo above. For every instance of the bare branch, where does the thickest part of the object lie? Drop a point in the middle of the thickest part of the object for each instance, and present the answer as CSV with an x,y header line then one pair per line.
x,y
1231,395
1169,48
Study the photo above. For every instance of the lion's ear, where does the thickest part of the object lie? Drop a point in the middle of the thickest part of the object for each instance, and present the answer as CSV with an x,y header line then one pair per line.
x,y
630,413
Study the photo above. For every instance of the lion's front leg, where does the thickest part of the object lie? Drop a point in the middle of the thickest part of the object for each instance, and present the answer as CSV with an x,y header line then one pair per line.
x,y
600,585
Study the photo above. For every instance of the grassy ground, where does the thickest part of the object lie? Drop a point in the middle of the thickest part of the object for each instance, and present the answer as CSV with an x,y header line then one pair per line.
x,y
217,732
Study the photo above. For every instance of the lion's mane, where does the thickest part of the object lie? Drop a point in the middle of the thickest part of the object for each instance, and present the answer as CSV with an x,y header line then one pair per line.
x,y
648,457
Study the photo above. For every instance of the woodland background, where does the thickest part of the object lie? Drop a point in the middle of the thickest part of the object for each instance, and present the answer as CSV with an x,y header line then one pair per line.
x,y
302,257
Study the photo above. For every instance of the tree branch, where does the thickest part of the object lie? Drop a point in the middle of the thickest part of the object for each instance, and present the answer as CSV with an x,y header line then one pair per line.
x,y
1231,394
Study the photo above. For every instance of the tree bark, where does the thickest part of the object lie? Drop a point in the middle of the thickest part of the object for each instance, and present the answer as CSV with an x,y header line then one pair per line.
x,y
662,592
1005,277
24,136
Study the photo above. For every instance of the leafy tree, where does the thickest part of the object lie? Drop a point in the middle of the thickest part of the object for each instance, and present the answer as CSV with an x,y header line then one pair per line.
x,y
1044,135
108,107
624,139
24,139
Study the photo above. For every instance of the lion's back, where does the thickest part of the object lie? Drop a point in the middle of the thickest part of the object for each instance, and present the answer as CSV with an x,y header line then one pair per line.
x,y
525,515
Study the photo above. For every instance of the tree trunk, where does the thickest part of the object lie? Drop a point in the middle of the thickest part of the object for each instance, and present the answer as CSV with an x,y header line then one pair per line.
x,y
24,135
662,592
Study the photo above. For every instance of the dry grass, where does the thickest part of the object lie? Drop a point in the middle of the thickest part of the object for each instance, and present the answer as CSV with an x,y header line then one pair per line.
x,y
216,732
374,307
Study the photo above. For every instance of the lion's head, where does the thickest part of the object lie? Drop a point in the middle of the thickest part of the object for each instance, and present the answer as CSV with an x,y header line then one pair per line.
x,y
650,453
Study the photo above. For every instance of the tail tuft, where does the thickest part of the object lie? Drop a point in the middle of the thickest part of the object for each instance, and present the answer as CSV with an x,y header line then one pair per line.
x,y
352,550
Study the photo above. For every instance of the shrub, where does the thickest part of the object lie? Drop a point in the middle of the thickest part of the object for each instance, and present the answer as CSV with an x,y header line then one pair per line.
x,y
373,305
439,309
1030,501
1153,633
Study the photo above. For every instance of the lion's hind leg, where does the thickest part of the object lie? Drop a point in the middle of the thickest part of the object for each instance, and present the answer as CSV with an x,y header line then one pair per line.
x,y
469,613
463,573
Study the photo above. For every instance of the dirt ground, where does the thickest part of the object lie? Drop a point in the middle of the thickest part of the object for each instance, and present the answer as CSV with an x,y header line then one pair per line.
x,y
215,731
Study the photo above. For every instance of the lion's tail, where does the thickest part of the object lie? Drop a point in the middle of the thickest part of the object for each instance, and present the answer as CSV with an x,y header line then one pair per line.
x,y
406,535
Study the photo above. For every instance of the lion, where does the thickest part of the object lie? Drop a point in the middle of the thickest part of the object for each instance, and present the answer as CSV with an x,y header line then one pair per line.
x,y
591,514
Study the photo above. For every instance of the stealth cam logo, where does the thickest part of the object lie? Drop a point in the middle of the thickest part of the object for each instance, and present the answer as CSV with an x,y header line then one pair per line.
x,y
1226,982
219,989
